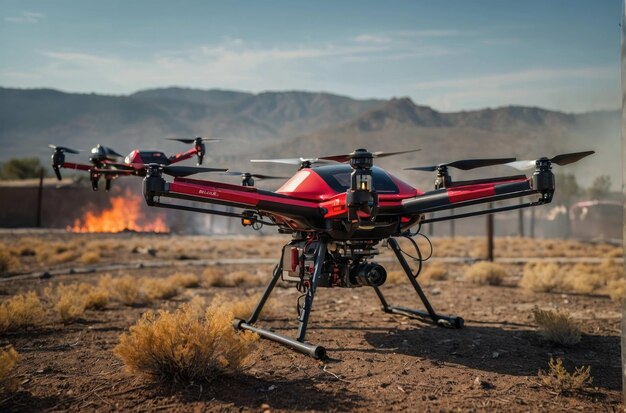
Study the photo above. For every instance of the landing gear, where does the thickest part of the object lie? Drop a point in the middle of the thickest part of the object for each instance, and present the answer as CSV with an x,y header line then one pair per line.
x,y
429,315
319,258
298,344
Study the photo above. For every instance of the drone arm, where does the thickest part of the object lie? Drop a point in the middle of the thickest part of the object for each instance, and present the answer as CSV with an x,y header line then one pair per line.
x,y
280,207
183,155
78,166
461,196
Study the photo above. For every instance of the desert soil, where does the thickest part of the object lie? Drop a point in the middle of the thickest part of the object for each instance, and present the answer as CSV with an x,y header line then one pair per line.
x,y
377,361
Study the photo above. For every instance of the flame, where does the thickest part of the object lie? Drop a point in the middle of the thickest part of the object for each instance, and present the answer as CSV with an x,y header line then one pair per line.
x,y
124,215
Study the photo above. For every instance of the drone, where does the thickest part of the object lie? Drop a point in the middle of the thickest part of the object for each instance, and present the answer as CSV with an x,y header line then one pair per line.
x,y
340,208
105,162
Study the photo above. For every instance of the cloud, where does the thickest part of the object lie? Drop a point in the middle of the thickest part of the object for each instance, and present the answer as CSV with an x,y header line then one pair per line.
x,y
229,63
570,89
519,77
25,17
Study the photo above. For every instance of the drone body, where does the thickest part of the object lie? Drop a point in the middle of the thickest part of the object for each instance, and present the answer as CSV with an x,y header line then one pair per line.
x,y
338,214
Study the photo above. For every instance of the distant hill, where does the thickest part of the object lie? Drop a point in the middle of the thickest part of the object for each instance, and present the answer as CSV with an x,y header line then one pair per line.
x,y
525,132
294,123
32,118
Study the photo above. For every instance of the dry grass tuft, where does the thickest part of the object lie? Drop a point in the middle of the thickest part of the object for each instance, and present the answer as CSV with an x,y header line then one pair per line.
x,y
185,280
557,377
541,277
21,311
182,347
217,277
485,273
434,272
126,290
8,361
71,301
616,289
8,262
395,277
133,291
557,326
242,307
159,288
90,257
66,301
214,277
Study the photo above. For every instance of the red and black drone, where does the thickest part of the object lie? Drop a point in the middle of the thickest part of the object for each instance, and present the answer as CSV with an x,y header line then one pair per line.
x,y
105,162
340,208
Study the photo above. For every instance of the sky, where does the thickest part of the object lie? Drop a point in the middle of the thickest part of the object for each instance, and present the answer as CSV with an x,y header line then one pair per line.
x,y
451,55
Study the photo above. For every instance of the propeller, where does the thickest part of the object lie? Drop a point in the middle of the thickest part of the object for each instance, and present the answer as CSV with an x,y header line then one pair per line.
x,y
563,159
255,176
379,154
328,159
58,158
192,140
465,164
63,149
181,171
100,152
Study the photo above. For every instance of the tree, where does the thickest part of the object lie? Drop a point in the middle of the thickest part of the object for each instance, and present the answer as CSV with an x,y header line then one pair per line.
x,y
21,168
601,187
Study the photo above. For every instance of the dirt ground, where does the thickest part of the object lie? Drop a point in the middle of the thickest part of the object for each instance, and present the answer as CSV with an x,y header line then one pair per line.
x,y
378,361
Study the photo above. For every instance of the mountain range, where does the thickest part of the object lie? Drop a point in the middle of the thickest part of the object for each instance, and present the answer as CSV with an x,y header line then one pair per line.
x,y
295,123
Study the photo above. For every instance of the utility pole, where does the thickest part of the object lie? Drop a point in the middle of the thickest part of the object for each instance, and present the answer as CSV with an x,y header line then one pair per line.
x,y
520,220
490,235
452,229
39,197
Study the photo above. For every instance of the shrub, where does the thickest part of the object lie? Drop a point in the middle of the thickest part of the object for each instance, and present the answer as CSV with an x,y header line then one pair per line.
x,y
242,307
214,277
71,301
7,262
396,277
186,280
90,257
434,271
8,361
159,288
485,273
180,346
557,326
560,380
126,290
616,289
96,298
542,277
21,311
66,301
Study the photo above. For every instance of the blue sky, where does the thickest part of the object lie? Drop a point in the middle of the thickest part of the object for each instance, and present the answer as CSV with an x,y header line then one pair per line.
x,y
452,55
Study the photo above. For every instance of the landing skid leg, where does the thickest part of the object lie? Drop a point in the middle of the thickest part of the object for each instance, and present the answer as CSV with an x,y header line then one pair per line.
x,y
297,344
429,315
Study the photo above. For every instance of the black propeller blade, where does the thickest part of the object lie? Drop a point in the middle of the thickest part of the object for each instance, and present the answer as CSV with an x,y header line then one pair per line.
x,y
465,164
63,149
192,140
563,159
181,171
255,176
328,159
379,154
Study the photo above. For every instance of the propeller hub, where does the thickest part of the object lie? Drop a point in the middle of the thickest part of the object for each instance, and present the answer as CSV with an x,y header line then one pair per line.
x,y
361,159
